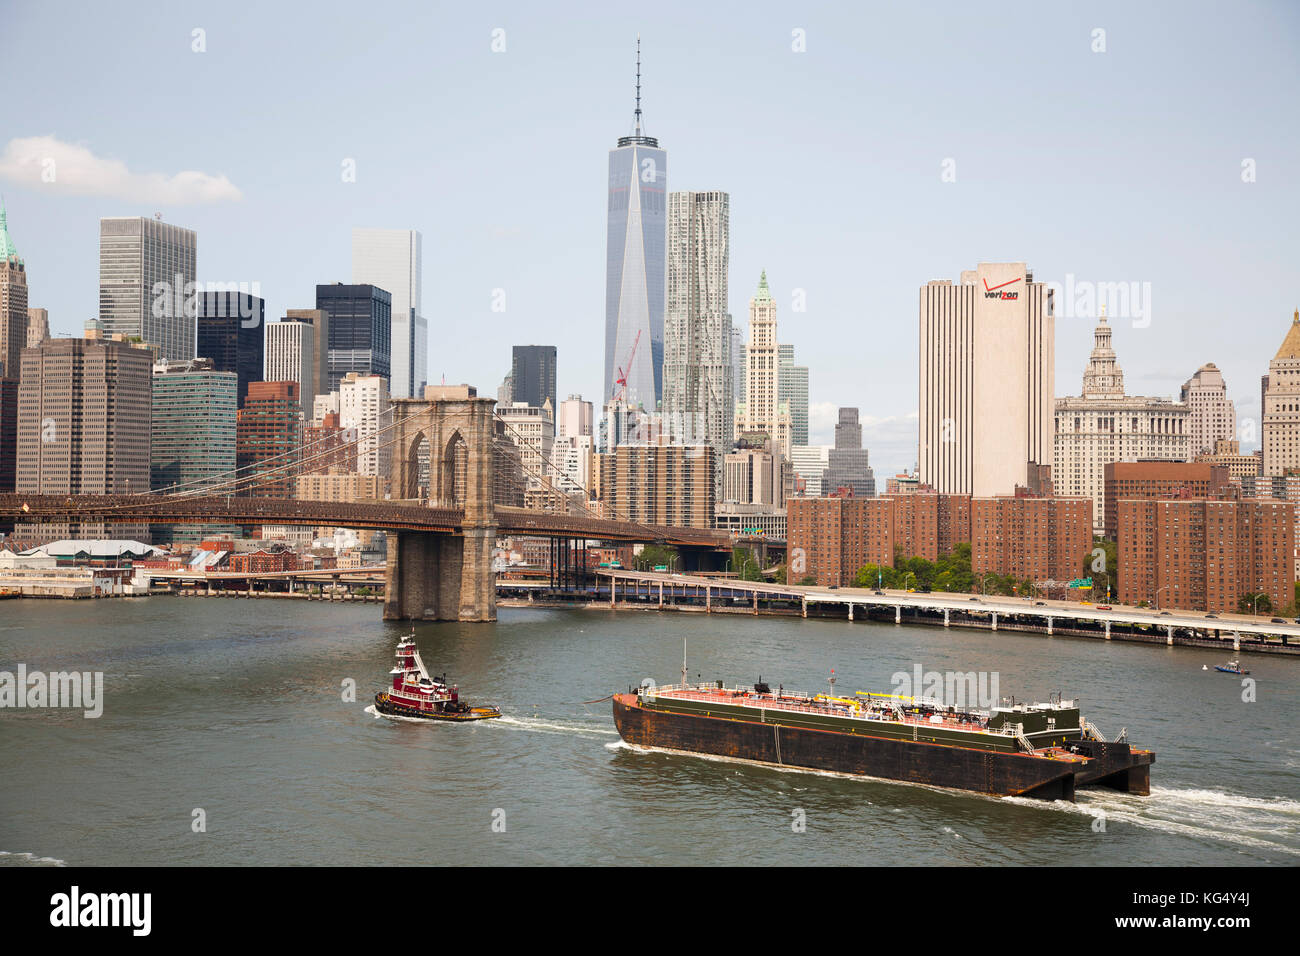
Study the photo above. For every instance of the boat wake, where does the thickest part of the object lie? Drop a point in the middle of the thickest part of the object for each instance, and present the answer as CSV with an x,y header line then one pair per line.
x,y
28,859
553,727
374,712
1270,824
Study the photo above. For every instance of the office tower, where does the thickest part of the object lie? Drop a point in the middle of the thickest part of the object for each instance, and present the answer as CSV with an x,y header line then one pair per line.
x,y
1157,479
698,397
738,363
324,404
8,437
193,430
792,394
575,418
360,329
1205,554
848,464
1281,405
532,429
84,428
809,462
38,327
391,260
761,412
756,475
986,382
146,283
320,322
573,456
532,374
231,332
659,483
268,436
192,447
1103,425
1211,416
292,356
506,392
634,264
13,303
364,406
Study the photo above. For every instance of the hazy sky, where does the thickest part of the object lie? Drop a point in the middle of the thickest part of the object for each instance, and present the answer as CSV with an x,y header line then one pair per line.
x,y
902,143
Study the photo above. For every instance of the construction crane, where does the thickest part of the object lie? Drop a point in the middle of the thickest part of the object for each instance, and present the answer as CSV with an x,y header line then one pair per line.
x,y
620,390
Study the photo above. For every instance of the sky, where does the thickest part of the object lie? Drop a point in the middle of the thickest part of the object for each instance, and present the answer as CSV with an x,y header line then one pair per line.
x,y
866,148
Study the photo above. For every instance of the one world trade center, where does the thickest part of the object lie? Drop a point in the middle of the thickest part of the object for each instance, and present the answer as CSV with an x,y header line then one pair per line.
x,y
634,271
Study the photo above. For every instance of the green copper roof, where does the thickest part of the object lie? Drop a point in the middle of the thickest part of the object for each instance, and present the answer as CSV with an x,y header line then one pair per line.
x,y
763,294
7,248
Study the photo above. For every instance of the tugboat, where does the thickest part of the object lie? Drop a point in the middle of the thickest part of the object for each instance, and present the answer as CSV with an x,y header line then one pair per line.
x,y
417,696
1232,667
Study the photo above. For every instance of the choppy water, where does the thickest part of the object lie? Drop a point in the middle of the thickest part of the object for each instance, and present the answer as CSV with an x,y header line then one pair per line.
x,y
235,707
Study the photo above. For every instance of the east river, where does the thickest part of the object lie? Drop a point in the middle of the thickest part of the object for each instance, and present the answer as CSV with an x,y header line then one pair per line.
x,y
228,717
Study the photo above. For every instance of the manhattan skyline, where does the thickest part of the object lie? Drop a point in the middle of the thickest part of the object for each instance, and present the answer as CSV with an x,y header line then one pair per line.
x,y
1123,165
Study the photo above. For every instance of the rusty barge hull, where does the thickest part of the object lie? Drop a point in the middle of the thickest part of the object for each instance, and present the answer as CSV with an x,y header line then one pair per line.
x,y
961,768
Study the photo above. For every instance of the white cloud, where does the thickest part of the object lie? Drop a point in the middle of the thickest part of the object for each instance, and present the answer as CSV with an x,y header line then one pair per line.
x,y
44,162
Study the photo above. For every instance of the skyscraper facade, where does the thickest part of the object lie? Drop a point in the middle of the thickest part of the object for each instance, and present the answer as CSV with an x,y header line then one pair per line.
x,y
38,327
792,395
364,407
268,438
761,411
634,264
698,396
986,380
1103,425
13,303
320,322
1211,416
291,357
848,464
360,329
193,426
391,260
1281,404
532,375
84,418
146,283
231,332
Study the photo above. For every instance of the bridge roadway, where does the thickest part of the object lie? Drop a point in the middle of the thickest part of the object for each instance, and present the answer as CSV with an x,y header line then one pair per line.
x,y
373,516
1052,614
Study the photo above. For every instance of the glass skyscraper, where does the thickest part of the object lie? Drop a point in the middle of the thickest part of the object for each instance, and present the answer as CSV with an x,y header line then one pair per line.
x,y
634,269
360,330
391,259
146,283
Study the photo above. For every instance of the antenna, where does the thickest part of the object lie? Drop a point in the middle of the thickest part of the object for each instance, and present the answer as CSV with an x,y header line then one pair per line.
x,y
683,663
638,85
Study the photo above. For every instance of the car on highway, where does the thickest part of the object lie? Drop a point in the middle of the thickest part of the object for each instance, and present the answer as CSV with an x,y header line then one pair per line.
x,y
1040,604
1212,615
1103,607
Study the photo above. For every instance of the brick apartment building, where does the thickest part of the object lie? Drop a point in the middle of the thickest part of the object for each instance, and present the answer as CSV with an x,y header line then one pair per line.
x,y
268,434
1039,539
1204,554
1159,479
1033,537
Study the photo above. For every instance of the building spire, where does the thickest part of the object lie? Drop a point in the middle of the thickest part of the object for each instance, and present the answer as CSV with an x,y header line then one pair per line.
x,y
7,248
637,113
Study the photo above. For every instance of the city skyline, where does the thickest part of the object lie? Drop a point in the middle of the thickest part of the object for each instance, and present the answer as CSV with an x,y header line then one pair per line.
x,y
543,249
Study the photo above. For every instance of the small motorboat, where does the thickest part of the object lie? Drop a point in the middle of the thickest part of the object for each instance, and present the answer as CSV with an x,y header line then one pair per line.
x,y
1232,667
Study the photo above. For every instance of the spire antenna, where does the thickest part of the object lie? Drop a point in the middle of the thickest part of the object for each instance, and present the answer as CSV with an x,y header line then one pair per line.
x,y
638,85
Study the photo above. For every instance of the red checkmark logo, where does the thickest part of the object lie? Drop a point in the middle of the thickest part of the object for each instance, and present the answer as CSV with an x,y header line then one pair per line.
x,y
1008,282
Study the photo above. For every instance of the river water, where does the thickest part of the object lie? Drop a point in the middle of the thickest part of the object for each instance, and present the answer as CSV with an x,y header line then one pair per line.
x,y
236,708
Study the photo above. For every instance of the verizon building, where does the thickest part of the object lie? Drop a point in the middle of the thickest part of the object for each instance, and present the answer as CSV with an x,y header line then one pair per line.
x,y
987,381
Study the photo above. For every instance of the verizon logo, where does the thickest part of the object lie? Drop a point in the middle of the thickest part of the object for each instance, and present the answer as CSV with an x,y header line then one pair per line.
x,y
999,291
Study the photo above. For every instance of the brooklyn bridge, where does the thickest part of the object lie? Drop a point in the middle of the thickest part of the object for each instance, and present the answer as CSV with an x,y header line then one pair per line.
x,y
442,520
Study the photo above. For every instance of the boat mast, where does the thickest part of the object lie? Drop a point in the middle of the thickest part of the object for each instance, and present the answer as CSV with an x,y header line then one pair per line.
x,y
683,663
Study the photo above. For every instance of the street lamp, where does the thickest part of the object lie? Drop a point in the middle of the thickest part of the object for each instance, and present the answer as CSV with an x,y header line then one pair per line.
x,y
1259,593
1158,590
984,583
905,579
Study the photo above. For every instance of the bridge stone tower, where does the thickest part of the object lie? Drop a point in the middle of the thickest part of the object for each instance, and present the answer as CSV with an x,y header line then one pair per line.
x,y
442,457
